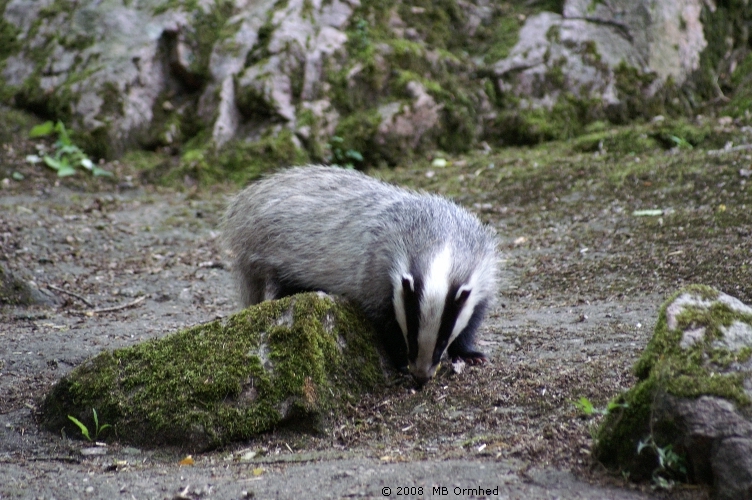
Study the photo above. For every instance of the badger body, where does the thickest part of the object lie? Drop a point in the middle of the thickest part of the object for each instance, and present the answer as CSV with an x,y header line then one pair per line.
x,y
422,269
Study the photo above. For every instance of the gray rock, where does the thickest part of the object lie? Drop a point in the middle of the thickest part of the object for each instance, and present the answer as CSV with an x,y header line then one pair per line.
x,y
17,291
272,76
403,126
716,438
106,71
580,51
693,395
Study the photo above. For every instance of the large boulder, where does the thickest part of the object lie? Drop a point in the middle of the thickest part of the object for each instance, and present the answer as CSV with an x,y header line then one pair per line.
x,y
293,362
689,415
614,60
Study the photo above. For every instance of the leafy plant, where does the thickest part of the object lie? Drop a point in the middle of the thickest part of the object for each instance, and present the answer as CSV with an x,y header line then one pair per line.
x,y
85,430
680,142
671,465
67,155
586,407
341,156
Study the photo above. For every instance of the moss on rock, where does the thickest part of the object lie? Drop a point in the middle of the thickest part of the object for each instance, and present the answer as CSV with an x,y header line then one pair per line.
x,y
357,132
391,44
667,133
292,361
9,43
688,357
526,126
238,161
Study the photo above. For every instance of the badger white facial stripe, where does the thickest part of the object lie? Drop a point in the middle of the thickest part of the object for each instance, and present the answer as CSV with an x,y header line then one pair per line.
x,y
398,300
467,309
435,289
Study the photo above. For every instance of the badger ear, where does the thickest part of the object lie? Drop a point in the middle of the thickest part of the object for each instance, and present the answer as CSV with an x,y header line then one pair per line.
x,y
462,294
408,283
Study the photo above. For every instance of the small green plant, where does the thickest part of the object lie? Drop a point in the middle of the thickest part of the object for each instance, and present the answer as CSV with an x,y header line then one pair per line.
x,y
586,407
360,38
680,142
341,156
671,465
67,156
85,430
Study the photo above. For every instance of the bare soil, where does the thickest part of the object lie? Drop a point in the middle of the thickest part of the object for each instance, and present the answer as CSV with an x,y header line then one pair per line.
x,y
583,279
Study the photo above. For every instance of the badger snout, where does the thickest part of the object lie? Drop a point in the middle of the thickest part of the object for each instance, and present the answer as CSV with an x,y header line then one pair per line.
x,y
422,376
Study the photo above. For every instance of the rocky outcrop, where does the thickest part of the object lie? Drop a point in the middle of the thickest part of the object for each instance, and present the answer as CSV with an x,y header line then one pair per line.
x,y
688,418
387,79
601,60
590,40
288,362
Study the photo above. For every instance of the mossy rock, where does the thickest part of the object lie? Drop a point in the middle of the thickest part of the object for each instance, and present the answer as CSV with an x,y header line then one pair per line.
x,y
16,292
693,393
289,362
663,133
13,290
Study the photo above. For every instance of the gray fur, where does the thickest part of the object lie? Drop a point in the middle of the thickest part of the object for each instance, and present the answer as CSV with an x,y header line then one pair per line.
x,y
340,231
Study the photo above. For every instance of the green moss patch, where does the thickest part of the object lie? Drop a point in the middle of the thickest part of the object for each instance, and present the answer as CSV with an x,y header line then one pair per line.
x,y
660,134
238,161
686,360
287,362
8,36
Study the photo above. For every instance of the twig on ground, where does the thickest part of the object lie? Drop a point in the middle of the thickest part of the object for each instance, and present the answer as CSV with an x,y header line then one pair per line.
x,y
75,295
116,308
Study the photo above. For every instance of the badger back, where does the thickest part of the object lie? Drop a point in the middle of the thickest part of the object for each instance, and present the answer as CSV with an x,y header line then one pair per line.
x,y
314,227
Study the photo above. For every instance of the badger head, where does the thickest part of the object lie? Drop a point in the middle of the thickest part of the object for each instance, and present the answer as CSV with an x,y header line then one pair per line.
x,y
433,307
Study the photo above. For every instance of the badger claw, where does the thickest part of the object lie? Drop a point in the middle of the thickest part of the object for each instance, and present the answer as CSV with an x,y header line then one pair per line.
x,y
471,358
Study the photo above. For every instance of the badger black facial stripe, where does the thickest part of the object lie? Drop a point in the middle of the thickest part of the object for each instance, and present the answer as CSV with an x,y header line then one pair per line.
x,y
408,283
452,309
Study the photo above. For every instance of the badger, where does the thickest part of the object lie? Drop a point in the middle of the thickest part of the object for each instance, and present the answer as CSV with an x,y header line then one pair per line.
x,y
422,269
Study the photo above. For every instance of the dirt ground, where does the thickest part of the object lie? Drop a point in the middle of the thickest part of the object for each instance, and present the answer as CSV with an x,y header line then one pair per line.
x,y
582,281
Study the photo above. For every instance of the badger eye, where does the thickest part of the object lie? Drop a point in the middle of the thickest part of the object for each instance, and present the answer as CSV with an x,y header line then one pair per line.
x,y
408,283
462,296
